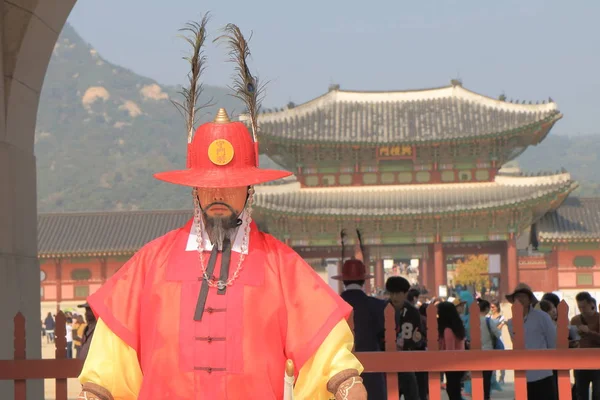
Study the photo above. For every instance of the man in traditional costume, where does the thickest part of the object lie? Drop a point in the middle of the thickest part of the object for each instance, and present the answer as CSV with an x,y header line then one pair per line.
x,y
176,323
369,321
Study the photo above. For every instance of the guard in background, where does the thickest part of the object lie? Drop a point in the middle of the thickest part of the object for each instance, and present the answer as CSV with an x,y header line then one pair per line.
x,y
369,321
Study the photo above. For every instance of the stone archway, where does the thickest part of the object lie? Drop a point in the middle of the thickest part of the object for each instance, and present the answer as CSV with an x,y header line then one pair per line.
x,y
29,30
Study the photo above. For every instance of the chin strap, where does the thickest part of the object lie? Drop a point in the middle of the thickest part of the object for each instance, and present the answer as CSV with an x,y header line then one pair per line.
x,y
91,391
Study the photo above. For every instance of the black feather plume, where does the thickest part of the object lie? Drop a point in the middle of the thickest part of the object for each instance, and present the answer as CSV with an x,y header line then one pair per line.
x,y
245,86
360,242
189,108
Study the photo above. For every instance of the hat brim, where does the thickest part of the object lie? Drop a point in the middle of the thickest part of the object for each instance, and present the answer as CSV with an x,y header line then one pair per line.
x,y
350,278
511,297
85,305
221,178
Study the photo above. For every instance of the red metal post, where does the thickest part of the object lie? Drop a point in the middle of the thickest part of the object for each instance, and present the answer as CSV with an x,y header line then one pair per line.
x,y
20,354
432,346
519,344
61,353
475,329
562,342
390,346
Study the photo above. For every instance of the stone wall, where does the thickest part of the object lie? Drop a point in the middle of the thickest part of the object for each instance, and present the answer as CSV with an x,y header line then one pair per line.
x,y
29,29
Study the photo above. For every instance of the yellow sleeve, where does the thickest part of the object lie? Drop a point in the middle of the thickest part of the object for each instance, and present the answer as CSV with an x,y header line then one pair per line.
x,y
112,364
333,356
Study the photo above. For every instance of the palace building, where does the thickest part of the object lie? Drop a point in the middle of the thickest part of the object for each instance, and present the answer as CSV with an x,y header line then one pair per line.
x,y
420,175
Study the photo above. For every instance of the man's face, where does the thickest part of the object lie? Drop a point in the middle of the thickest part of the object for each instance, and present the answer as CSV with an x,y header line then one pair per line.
x,y
524,299
586,307
220,209
397,299
460,308
223,202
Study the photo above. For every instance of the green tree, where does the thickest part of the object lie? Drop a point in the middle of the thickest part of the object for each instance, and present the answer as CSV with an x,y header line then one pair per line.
x,y
473,271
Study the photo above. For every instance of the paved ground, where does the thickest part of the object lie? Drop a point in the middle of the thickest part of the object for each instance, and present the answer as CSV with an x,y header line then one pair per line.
x,y
74,387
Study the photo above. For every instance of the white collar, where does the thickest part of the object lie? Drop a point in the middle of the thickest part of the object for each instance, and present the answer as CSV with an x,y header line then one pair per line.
x,y
354,286
206,245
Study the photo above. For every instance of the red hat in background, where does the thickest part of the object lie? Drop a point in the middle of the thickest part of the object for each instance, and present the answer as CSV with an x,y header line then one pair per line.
x,y
353,270
222,154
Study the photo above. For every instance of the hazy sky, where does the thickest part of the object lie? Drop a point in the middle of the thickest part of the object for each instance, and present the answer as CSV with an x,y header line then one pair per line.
x,y
528,49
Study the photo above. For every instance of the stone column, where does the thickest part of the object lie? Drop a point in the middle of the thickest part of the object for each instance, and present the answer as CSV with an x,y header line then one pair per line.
x,y
512,264
28,33
439,270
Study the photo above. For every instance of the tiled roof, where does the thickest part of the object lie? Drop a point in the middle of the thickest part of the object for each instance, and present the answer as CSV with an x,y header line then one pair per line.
x,y
409,200
576,219
412,116
105,233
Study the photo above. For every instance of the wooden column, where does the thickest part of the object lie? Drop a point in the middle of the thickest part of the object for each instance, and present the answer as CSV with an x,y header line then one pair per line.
x,y
423,272
512,264
439,270
366,260
379,275
339,272
503,270
57,264
103,269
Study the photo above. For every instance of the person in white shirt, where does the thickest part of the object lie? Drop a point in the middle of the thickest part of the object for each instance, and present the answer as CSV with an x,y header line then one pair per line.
x,y
490,334
69,337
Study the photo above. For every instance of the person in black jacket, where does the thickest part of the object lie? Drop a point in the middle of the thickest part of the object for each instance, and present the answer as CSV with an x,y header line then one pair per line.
x,y
369,321
409,331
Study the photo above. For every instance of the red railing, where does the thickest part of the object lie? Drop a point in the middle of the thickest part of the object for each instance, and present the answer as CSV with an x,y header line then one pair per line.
x,y
476,360
391,361
20,369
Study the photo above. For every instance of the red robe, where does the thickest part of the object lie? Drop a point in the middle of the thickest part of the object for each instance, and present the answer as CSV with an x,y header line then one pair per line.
x,y
277,309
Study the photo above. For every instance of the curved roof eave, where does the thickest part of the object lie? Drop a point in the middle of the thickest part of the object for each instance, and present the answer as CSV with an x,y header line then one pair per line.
x,y
345,96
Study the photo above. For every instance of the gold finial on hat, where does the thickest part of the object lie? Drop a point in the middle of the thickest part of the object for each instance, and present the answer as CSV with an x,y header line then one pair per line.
x,y
222,117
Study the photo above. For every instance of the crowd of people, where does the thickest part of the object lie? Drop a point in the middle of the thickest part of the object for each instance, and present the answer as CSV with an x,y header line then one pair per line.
x,y
79,331
540,317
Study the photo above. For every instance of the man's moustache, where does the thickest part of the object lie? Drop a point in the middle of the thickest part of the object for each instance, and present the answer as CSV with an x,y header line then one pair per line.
x,y
217,203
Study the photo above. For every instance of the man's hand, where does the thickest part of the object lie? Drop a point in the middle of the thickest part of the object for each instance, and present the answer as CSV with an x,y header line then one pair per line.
x,y
417,336
91,391
347,385
351,389
584,329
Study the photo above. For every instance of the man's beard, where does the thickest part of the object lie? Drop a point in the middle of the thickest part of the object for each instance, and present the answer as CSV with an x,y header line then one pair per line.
x,y
219,228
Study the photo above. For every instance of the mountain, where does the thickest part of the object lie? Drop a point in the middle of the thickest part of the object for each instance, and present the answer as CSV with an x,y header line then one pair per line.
x,y
102,131
579,155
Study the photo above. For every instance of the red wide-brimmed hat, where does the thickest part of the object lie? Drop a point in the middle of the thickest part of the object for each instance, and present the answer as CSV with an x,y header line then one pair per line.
x,y
353,270
222,154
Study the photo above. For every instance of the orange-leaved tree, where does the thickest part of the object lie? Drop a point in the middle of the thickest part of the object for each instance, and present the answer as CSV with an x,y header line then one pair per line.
x,y
473,271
